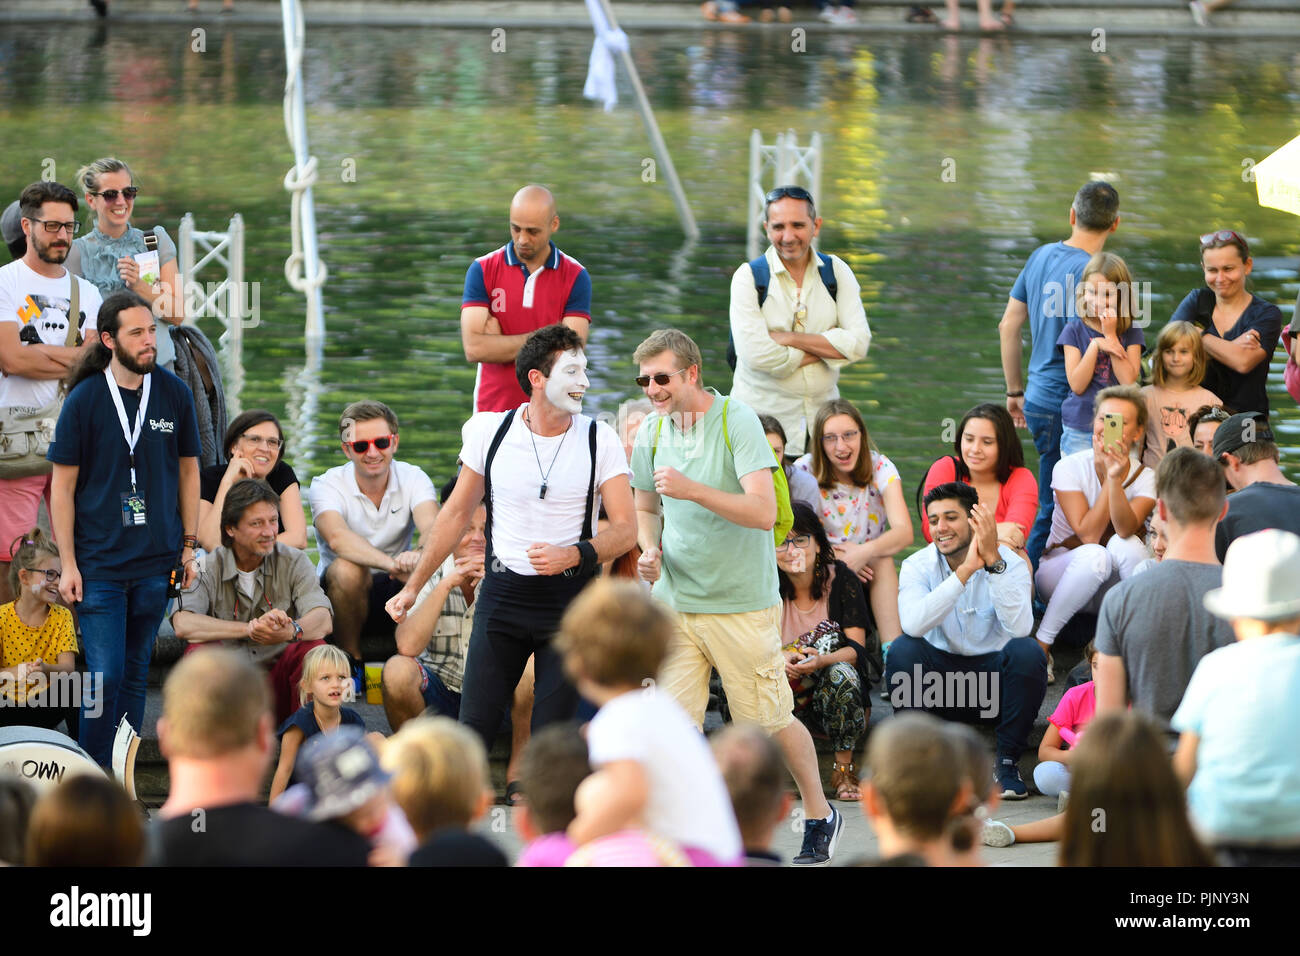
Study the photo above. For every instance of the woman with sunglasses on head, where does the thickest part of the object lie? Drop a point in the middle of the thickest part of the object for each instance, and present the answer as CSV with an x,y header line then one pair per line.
x,y
106,255
1239,330
832,652
861,505
254,446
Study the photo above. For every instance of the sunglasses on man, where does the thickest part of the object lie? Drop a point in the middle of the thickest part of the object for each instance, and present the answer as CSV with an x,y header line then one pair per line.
x,y
362,445
659,378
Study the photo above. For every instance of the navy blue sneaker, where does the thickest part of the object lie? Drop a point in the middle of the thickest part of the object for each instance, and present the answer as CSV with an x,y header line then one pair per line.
x,y
359,679
820,837
1007,774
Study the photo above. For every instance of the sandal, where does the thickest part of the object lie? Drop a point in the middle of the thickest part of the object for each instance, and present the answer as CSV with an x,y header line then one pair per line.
x,y
514,793
845,782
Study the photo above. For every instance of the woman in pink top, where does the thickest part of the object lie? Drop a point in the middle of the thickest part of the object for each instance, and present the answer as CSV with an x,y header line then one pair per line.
x,y
1064,727
990,459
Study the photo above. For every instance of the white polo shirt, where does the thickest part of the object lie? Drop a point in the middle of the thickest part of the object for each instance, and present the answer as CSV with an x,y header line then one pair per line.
x,y
388,527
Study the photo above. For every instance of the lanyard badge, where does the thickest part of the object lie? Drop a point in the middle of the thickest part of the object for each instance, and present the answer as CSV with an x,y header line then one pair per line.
x,y
134,513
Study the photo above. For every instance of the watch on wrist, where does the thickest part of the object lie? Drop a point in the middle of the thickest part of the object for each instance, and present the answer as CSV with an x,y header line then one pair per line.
x,y
297,628
998,567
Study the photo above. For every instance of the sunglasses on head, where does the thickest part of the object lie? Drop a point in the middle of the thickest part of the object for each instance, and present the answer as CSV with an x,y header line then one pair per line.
x,y
659,378
1223,235
791,192
362,445
110,195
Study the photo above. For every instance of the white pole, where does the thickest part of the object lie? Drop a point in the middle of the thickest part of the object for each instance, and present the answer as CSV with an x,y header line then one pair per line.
x,y
754,201
656,138
296,121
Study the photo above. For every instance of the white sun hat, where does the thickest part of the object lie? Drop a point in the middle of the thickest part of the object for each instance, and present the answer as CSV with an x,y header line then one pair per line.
x,y
1261,578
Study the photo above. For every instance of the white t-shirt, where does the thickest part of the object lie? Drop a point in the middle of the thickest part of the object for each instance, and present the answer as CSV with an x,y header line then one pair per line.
x,y
388,527
519,517
688,800
39,307
1077,473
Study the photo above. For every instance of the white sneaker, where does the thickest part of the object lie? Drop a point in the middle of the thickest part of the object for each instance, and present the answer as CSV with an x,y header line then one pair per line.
x,y
1051,674
1062,799
996,833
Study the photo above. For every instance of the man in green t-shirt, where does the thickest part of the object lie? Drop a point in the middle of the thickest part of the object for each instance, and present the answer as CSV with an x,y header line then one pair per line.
x,y
706,504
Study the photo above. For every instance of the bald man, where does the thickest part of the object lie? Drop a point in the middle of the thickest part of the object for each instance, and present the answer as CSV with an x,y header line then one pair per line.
x,y
526,284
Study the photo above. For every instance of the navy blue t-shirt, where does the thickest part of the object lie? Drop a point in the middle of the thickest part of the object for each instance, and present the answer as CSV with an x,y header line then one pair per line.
x,y
304,718
1240,392
89,435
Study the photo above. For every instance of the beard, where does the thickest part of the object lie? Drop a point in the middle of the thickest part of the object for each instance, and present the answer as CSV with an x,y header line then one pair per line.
x,y
45,253
131,364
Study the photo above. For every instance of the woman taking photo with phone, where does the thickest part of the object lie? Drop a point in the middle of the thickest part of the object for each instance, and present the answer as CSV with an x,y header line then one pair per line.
x,y
1103,496
112,254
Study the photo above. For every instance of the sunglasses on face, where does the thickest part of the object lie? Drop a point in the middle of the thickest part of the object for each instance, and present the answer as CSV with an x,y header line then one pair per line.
x,y
791,192
361,446
110,195
659,378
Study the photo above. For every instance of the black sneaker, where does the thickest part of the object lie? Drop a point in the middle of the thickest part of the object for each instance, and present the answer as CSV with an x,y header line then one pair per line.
x,y
1007,774
820,838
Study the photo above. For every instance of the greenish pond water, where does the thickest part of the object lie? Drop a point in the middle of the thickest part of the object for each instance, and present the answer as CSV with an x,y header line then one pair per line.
x,y
440,131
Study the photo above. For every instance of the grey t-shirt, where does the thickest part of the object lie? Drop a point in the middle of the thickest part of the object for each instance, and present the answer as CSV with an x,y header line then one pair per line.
x,y
1156,622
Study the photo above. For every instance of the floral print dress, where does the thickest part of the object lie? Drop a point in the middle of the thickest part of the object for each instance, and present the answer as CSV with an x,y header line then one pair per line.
x,y
852,515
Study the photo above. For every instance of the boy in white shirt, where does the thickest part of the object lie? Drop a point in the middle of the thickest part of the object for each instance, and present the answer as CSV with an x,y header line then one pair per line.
x,y
658,769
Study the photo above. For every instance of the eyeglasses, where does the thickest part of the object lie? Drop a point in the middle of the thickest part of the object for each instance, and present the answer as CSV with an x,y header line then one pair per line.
x,y
792,192
1223,235
660,378
847,437
51,575
799,541
361,446
274,443
54,228
110,195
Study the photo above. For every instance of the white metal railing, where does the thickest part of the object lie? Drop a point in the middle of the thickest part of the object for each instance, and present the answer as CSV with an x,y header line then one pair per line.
x,y
789,164
304,270
228,299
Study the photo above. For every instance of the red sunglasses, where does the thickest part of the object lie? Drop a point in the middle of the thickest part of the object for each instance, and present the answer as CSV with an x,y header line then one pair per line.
x,y
361,446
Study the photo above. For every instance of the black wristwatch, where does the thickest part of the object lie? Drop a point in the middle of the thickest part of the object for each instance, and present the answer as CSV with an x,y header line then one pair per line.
x,y
997,568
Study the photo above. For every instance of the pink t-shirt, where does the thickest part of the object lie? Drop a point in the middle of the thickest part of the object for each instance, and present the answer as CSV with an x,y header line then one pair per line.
x,y
553,849
1074,711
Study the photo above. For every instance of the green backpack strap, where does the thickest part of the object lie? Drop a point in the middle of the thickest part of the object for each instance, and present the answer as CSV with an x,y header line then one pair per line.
x,y
784,512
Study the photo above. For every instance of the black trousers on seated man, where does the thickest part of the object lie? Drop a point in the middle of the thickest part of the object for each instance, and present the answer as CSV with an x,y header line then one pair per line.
x,y
515,616
1004,687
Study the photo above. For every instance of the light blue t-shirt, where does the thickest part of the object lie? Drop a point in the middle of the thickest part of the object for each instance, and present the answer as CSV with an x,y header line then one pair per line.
x,y
1047,285
1244,703
710,565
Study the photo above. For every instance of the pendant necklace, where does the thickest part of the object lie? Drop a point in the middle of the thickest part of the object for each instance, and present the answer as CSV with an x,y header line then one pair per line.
x,y
545,474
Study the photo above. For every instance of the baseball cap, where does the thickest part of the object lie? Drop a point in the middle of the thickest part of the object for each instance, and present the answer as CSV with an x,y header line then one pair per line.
x,y
1241,429
1261,578
342,771
11,226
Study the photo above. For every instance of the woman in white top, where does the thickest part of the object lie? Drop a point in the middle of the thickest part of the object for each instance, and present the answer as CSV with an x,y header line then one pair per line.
x,y
861,505
1103,496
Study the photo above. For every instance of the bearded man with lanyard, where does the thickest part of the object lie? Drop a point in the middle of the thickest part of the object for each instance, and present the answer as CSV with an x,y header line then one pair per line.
x,y
543,470
125,509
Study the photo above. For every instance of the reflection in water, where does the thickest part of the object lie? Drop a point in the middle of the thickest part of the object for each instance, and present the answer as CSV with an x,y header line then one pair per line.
x,y
438,128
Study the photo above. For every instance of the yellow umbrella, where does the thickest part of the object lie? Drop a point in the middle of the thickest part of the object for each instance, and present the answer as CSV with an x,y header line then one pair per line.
x,y
1277,178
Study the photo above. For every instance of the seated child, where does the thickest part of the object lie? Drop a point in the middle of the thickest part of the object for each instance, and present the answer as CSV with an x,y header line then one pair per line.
x,y
553,764
343,783
1237,754
37,638
440,779
633,845
657,768
326,674
916,784
1052,775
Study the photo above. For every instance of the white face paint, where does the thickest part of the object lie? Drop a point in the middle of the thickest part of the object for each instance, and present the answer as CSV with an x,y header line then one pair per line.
x,y
568,381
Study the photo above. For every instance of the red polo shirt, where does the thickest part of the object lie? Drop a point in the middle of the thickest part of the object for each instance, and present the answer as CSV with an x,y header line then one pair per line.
x,y
521,303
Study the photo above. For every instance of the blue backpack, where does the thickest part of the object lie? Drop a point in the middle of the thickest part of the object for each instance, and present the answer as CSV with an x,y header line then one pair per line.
x,y
763,278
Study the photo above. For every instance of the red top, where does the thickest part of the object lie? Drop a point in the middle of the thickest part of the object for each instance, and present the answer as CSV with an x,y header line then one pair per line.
x,y
1017,499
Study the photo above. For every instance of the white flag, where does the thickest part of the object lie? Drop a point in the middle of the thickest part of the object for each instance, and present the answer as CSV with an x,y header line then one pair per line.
x,y
601,83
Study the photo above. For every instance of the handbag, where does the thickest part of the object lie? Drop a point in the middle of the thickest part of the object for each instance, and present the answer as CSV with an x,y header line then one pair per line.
x,y
25,435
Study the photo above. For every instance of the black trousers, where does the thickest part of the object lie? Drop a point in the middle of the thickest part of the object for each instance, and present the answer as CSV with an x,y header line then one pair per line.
x,y
516,616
